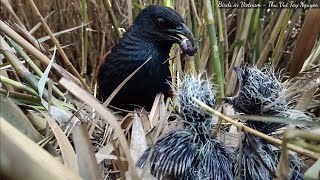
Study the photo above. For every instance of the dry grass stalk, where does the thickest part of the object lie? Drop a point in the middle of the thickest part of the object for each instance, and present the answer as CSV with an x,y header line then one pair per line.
x,y
258,133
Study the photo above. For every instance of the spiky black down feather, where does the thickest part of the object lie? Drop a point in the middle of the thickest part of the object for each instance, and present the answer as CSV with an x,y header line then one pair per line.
x,y
191,153
199,87
259,92
251,166
295,165
184,155
140,42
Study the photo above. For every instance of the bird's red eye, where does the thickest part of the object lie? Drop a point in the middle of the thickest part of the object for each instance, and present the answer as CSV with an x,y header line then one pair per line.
x,y
161,23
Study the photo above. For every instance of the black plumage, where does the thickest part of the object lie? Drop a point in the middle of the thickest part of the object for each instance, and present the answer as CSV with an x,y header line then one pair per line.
x,y
191,153
200,87
258,160
260,93
152,34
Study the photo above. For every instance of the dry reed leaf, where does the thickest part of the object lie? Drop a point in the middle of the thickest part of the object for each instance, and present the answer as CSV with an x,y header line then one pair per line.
x,y
122,165
305,99
313,173
92,126
306,41
126,122
43,80
154,113
233,129
204,55
145,121
104,152
229,139
272,39
238,54
87,162
27,158
146,175
130,9
114,157
163,125
108,134
104,113
229,111
316,131
37,26
283,168
57,34
138,143
33,51
67,152
37,121
9,110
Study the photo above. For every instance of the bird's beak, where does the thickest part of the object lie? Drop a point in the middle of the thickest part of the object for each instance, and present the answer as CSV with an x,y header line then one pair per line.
x,y
228,100
184,33
237,70
185,38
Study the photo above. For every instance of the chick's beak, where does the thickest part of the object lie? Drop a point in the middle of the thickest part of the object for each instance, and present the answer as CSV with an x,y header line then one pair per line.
x,y
237,70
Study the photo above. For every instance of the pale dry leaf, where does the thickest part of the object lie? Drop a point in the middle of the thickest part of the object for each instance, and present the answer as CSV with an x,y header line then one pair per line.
x,y
145,122
138,142
104,152
68,154
154,113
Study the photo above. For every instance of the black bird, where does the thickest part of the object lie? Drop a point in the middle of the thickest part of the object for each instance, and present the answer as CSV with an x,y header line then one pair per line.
x,y
260,93
191,153
152,34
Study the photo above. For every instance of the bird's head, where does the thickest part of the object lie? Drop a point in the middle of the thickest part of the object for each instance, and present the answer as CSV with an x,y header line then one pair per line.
x,y
160,23
260,91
